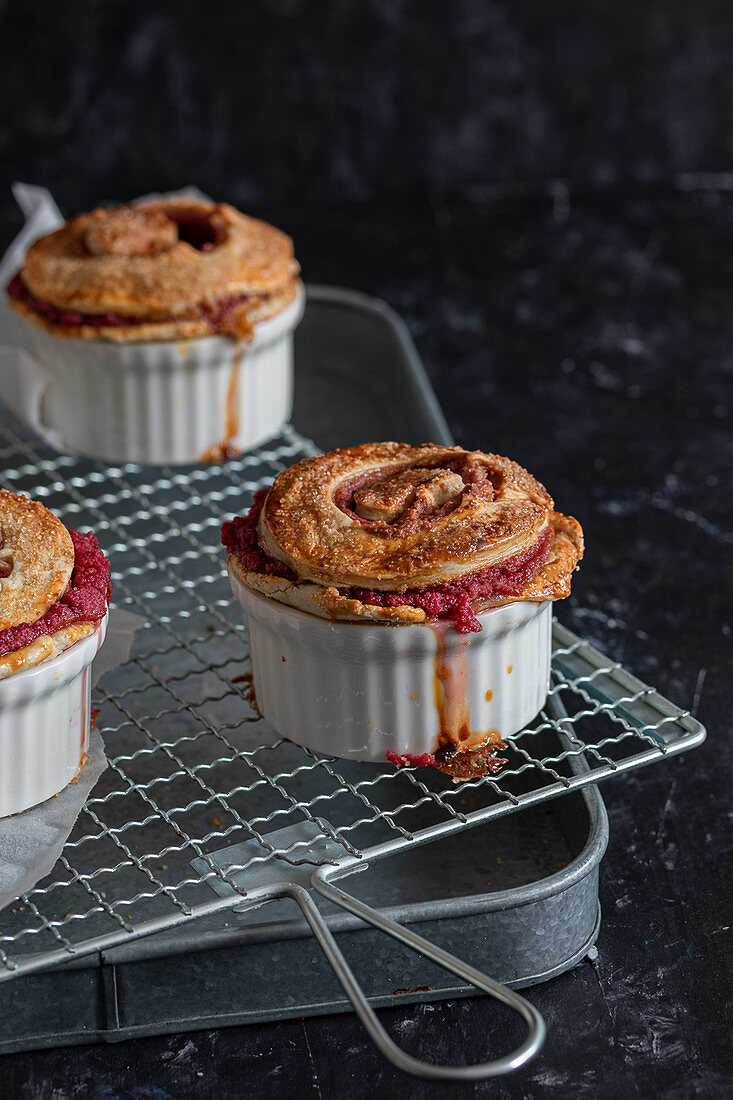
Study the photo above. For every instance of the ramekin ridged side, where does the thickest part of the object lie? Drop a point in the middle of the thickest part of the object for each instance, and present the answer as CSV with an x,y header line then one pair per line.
x,y
44,725
359,690
167,401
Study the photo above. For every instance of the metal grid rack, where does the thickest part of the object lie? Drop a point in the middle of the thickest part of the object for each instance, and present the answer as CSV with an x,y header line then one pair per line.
x,y
193,770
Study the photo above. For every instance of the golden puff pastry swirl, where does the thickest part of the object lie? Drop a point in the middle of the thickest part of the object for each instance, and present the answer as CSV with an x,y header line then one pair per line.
x,y
163,270
54,584
393,532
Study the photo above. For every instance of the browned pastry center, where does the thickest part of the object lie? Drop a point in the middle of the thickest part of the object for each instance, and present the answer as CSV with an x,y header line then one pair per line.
x,y
408,494
127,231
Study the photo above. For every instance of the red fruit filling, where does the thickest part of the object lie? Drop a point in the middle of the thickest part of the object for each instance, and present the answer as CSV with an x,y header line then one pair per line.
x,y
452,601
85,600
239,536
215,313
424,760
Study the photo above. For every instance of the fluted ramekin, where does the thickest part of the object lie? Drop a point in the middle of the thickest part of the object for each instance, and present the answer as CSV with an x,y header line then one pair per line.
x,y
361,690
44,724
161,401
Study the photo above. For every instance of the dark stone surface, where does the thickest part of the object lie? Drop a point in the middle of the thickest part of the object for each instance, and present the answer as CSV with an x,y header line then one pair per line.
x,y
286,100
590,336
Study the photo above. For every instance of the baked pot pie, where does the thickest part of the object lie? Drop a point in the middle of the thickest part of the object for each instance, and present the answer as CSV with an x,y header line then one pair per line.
x,y
165,330
54,593
399,601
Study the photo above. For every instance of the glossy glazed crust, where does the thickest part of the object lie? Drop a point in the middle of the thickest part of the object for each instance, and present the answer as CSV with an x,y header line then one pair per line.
x,y
477,511
39,555
124,261
392,517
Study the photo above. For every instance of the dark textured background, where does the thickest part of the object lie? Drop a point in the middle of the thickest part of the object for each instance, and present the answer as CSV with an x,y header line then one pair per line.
x,y
282,100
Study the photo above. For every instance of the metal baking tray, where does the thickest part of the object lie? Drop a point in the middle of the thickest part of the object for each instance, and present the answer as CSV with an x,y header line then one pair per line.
x,y
192,778
518,898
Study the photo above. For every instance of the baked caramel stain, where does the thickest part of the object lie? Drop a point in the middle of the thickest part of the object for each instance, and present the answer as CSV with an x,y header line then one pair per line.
x,y
461,764
450,682
224,450
249,691
77,774
510,669
449,689
85,718
220,452
489,695
85,725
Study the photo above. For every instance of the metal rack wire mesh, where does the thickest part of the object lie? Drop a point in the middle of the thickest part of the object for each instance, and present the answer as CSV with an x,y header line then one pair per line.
x,y
193,770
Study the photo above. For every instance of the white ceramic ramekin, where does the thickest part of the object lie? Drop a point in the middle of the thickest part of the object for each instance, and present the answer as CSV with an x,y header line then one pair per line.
x,y
159,401
360,690
44,725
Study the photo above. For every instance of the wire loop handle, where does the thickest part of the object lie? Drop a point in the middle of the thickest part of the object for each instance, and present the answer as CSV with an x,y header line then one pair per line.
x,y
506,1064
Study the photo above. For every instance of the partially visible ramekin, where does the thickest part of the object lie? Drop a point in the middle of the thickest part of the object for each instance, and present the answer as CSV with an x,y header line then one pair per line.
x,y
162,401
44,725
363,690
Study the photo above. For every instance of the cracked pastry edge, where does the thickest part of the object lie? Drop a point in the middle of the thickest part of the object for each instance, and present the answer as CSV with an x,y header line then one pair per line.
x,y
551,582
256,311
43,649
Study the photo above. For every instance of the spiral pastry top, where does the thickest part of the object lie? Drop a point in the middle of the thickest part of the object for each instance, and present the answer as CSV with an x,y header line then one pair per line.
x,y
54,584
164,270
388,531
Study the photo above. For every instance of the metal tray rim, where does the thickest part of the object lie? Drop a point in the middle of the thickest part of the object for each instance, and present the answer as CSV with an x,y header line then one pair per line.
x,y
378,308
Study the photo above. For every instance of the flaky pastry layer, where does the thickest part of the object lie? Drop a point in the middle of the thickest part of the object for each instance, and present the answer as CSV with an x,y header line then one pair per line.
x,y
43,649
252,312
551,582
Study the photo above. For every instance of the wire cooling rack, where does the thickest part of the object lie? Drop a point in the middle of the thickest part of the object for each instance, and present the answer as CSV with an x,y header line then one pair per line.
x,y
193,771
